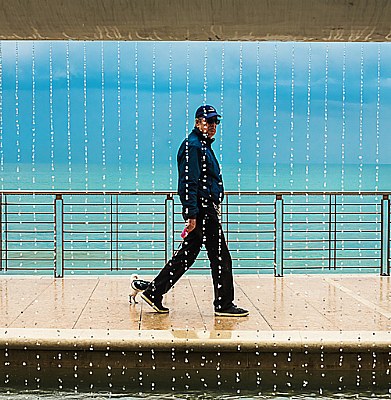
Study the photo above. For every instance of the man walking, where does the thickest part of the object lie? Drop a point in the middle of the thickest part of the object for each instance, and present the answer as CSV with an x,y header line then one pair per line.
x,y
201,191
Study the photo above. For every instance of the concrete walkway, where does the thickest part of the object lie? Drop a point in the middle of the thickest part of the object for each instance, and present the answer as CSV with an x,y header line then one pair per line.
x,y
292,303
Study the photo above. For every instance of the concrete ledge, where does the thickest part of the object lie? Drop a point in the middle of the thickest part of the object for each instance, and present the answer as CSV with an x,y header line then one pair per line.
x,y
227,341
192,360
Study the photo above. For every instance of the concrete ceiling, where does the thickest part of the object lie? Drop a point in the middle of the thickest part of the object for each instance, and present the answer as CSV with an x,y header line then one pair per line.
x,y
299,20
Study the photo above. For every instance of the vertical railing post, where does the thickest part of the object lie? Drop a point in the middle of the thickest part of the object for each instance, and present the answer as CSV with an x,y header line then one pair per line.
x,y
173,226
169,228
335,233
227,218
385,236
117,256
113,232
279,236
5,256
330,230
58,237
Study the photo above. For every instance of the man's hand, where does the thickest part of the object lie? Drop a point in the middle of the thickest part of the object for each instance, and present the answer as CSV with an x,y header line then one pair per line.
x,y
190,224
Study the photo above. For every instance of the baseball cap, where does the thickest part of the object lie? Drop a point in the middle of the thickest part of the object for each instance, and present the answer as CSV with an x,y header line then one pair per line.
x,y
206,111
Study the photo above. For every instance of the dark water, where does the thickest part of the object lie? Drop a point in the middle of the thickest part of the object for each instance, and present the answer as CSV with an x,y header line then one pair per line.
x,y
52,395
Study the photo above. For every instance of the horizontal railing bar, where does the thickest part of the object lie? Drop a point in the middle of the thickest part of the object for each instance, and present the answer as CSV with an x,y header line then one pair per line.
x,y
242,251
84,248
249,241
30,222
317,231
108,212
30,250
109,241
250,223
32,268
326,240
326,222
69,247
254,259
255,205
327,204
27,231
247,232
30,241
29,259
108,269
326,259
327,213
25,204
297,249
172,193
92,234
109,222
29,212
122,232
327,268
251,212
160,260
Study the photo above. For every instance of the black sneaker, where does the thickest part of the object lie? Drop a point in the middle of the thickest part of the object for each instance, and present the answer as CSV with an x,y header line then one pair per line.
x,y
155,304
139,284
232,311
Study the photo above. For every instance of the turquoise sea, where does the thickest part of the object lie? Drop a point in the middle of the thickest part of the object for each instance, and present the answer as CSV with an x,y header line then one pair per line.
x,y
148,177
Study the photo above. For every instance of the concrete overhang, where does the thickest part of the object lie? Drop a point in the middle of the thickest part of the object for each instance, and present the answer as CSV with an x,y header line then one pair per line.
x,y
176,20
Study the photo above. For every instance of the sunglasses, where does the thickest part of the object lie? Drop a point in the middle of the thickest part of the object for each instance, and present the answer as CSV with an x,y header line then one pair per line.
x,y
213,120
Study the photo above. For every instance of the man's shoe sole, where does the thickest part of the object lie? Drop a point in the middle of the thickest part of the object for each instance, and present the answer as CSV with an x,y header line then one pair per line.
x,y
223,314
150,303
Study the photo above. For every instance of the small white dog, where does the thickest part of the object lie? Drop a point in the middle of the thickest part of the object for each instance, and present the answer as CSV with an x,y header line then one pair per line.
x,y
137,285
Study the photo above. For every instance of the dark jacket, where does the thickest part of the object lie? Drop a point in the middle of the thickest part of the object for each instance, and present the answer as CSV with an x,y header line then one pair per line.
x,y
199,176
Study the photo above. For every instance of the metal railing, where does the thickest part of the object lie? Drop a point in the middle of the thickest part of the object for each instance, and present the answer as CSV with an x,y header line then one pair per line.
x,y
96,231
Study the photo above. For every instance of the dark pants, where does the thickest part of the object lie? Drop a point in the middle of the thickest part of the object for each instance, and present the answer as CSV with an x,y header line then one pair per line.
x,y
208,231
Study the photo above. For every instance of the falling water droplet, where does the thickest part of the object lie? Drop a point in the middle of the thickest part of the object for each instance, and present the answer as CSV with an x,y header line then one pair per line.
x,y
240,116
257,107
33,111
343,119
51,119
136,107
187,87
275,118
378,229
103,125
222,103
119,138
17,125
326,117
85,114
170,156
153,115
69,147
360,149
308,131
292,131
360,156
205,73
377,120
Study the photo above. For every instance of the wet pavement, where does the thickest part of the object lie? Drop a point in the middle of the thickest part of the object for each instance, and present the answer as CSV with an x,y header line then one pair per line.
x,y
292,303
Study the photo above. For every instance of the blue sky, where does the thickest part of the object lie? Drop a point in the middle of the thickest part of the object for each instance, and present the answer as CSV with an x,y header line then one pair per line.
x,y
257,88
